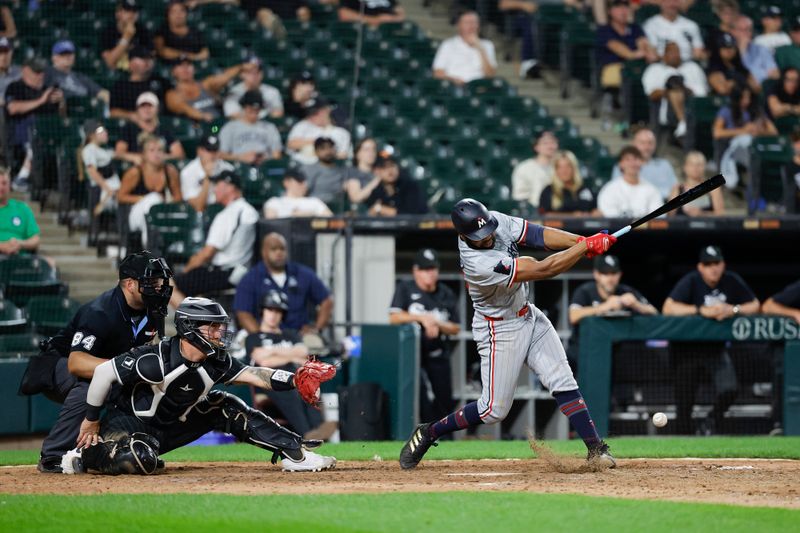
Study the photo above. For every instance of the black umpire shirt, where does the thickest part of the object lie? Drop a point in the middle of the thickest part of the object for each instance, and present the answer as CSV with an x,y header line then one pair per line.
x,y
441,303
731,289
789,296
105,327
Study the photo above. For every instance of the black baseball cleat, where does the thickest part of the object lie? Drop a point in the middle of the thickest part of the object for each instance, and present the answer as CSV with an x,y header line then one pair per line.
x,y
49,465
416,447
600,454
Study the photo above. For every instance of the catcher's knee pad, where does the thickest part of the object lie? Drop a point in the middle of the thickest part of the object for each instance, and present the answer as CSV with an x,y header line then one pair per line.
x,y
134,454
254,427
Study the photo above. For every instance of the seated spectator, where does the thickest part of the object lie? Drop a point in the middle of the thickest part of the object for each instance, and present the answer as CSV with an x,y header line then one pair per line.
x,y
465,57
428,302
713,293
97,159
299,283
196,176
670,82
270,14
628,195
224,260
784,98
282,349
789,55
657,171
694,172
397,193
295,201
757,59
8,71
61,75
531,176
326,178
125,34
197,100
772,35
727,12
670,25
618,42
144,121
726,70
792,170
19,232
372,13
27,98
567,195
525,28
318,123
176,37
252,75
125,93
737,124
360,181
148,184
249,139
603,296
302,90
8,28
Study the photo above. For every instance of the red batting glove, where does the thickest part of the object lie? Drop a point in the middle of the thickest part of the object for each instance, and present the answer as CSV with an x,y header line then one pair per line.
x,y
598,244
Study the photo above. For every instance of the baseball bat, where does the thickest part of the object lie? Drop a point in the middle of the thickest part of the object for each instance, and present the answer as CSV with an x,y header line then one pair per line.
x,y
682,199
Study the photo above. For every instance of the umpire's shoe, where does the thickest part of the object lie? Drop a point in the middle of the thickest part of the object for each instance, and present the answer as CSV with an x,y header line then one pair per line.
x,y
416,447
50,465
600,454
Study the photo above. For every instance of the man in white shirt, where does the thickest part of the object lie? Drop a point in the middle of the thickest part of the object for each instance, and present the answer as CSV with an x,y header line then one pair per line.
x,y
252,75
196,175
656,171
226,256
670,81
531,176
295,201
669,25
465,57
250,140
318,123
628,196
772,35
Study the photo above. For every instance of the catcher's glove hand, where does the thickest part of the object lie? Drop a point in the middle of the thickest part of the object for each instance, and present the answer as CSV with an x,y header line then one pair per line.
x,y
308,378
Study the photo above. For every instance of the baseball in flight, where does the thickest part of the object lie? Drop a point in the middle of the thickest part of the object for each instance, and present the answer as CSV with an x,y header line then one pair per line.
x,y
659,420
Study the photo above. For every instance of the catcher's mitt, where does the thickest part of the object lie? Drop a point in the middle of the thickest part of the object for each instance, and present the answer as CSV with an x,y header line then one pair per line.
x,y
308,378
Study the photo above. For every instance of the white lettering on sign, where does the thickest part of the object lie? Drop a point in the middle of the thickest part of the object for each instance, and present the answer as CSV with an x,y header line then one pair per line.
x,y
765,329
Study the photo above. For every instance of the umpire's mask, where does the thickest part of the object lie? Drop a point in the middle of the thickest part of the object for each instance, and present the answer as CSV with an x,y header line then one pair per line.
x,y
194,313
153,276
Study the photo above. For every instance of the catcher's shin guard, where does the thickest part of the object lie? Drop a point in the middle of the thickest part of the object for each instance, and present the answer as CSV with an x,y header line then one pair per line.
x,y
254,427
134,454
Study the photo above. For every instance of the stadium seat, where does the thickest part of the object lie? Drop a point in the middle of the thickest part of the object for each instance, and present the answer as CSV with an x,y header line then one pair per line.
x,y
12,318
700,115
636,103
19,344
24,276
175,231
49,314
767,157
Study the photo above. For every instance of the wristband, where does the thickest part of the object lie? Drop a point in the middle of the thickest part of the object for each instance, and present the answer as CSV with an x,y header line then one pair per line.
x,y
92,413
281,380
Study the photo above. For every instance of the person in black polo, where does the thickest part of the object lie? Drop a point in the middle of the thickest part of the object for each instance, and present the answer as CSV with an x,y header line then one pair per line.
x,y
124,33
129,315
397,193
603,296
433,306
713,293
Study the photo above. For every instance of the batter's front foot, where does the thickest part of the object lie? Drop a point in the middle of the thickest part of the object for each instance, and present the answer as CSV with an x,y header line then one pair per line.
x,y
416,447
600,454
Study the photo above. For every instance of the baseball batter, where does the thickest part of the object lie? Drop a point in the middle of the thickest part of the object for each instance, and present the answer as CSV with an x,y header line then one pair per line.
x,y
509,331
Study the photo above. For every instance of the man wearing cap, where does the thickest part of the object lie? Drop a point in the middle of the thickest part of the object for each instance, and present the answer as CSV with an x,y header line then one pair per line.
x,y
248,139
74,84
226,256
426,301
318,123
772,34
196,175
603,296
252,77
125,92
716,294
397,193
325,178
758,60
670,25
145,121
295,201
789,55
131,314
8,71
125,33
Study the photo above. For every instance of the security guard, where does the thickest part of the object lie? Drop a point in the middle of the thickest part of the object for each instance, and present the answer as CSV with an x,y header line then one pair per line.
x,y
129,315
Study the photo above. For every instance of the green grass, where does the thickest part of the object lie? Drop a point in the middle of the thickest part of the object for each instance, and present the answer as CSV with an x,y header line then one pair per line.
x,y
464,511
711,447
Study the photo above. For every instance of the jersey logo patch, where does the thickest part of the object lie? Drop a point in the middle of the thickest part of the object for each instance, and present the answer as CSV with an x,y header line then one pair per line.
x,y
416,296
128,362
502,268
185,388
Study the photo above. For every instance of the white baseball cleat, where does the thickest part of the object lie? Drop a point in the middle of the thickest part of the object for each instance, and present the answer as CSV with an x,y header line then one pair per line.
x,y
311,462
72,462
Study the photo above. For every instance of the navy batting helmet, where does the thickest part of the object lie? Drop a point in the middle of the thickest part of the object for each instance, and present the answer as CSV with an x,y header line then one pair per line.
x,y
473,220
275,300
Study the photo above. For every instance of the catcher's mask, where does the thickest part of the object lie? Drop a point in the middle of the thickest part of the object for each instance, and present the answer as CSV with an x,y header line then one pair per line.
x,y
153,276
204,324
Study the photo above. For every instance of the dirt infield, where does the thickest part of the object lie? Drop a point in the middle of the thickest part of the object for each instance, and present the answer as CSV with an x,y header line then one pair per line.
x,y
773,483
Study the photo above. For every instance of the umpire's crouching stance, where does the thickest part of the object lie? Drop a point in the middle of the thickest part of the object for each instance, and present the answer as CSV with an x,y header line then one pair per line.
x,y
164,400
131,314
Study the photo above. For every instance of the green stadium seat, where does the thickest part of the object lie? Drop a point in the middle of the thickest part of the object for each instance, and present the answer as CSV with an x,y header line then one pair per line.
x,y
490,86
700,115
551,19
767,157
636,103
19,344
24,276
257,189
175,231
49,314
12,318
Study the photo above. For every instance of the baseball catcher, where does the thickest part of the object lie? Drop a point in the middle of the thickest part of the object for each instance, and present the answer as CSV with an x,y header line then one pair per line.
x,y
160,397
